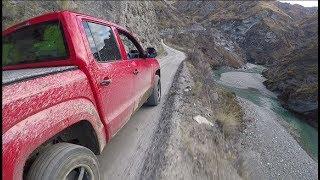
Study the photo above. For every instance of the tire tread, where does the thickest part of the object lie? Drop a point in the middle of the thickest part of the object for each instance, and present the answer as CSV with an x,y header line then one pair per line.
x,y
48,160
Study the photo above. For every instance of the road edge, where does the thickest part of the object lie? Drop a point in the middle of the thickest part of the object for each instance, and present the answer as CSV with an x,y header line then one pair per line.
x,y
155,159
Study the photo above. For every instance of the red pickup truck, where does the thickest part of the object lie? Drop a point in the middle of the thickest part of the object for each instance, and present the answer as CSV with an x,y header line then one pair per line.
x,y
70,82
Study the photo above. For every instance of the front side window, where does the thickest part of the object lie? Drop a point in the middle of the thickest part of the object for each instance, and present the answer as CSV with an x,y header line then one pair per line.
x,y
102,42
34,43
132,50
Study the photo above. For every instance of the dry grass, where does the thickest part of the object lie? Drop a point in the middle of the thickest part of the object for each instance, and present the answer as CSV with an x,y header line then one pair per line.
x,y
229,114
226,110
230,122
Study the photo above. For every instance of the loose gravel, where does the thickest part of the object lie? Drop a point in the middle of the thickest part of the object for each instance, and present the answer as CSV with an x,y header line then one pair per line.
x,y
271,150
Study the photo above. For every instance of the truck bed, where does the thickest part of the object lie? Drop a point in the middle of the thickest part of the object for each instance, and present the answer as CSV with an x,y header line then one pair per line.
x,y
13,76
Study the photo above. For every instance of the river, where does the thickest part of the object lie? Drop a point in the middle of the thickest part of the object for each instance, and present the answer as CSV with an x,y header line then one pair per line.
x,y
247,83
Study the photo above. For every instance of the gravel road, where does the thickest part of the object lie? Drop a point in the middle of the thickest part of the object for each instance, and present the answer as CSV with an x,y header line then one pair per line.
x,y
123,157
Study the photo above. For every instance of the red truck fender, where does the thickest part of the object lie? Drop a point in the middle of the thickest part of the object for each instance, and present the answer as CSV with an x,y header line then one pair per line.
x,y
40,127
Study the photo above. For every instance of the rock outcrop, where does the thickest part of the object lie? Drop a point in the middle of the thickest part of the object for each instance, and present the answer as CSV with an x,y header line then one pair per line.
x,y
137,16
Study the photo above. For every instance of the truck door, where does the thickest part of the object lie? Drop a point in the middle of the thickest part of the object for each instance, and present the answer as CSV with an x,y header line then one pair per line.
x,y
142,69
113,75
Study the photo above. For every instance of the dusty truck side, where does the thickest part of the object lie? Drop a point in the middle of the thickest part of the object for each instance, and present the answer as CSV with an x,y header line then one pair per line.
x,y
70,82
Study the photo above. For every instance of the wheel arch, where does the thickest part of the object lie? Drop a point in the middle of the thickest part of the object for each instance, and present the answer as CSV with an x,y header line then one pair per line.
x,y
23,139
81,133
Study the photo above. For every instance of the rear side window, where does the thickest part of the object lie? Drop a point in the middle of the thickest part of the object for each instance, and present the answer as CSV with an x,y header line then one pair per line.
x,y
34,43
102,42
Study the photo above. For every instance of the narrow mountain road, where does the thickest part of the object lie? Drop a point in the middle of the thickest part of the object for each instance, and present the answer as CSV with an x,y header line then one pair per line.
x,y
123,157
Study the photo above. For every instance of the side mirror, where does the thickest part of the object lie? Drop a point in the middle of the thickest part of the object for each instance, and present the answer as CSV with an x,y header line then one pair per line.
x,y
133,54
151,52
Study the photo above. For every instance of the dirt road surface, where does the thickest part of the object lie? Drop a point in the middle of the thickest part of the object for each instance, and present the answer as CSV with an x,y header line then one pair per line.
x,y
123,157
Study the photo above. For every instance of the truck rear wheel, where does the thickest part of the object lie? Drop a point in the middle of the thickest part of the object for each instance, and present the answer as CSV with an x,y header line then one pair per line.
x,y
65,161
155,96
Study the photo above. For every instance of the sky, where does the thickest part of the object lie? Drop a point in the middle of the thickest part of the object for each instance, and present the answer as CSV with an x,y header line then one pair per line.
x,y
303,3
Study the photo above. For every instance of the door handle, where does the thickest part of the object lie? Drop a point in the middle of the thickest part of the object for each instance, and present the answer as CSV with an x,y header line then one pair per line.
x,y
135,72
105,82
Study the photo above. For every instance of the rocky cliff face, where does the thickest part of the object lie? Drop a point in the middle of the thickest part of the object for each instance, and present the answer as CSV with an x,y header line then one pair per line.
x,y
281,36
295,76
212,44
137,16
264,29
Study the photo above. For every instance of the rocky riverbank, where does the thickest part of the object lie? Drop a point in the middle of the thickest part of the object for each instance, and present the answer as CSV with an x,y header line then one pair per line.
x,y
270,152
274,143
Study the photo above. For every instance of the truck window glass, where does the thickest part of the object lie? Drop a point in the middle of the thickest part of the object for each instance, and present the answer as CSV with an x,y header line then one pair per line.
x,y
34,43
129,46
102,42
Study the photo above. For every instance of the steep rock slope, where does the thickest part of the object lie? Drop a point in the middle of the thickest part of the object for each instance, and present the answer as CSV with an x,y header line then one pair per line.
x,y
214,47
137,16
264,29
295,76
